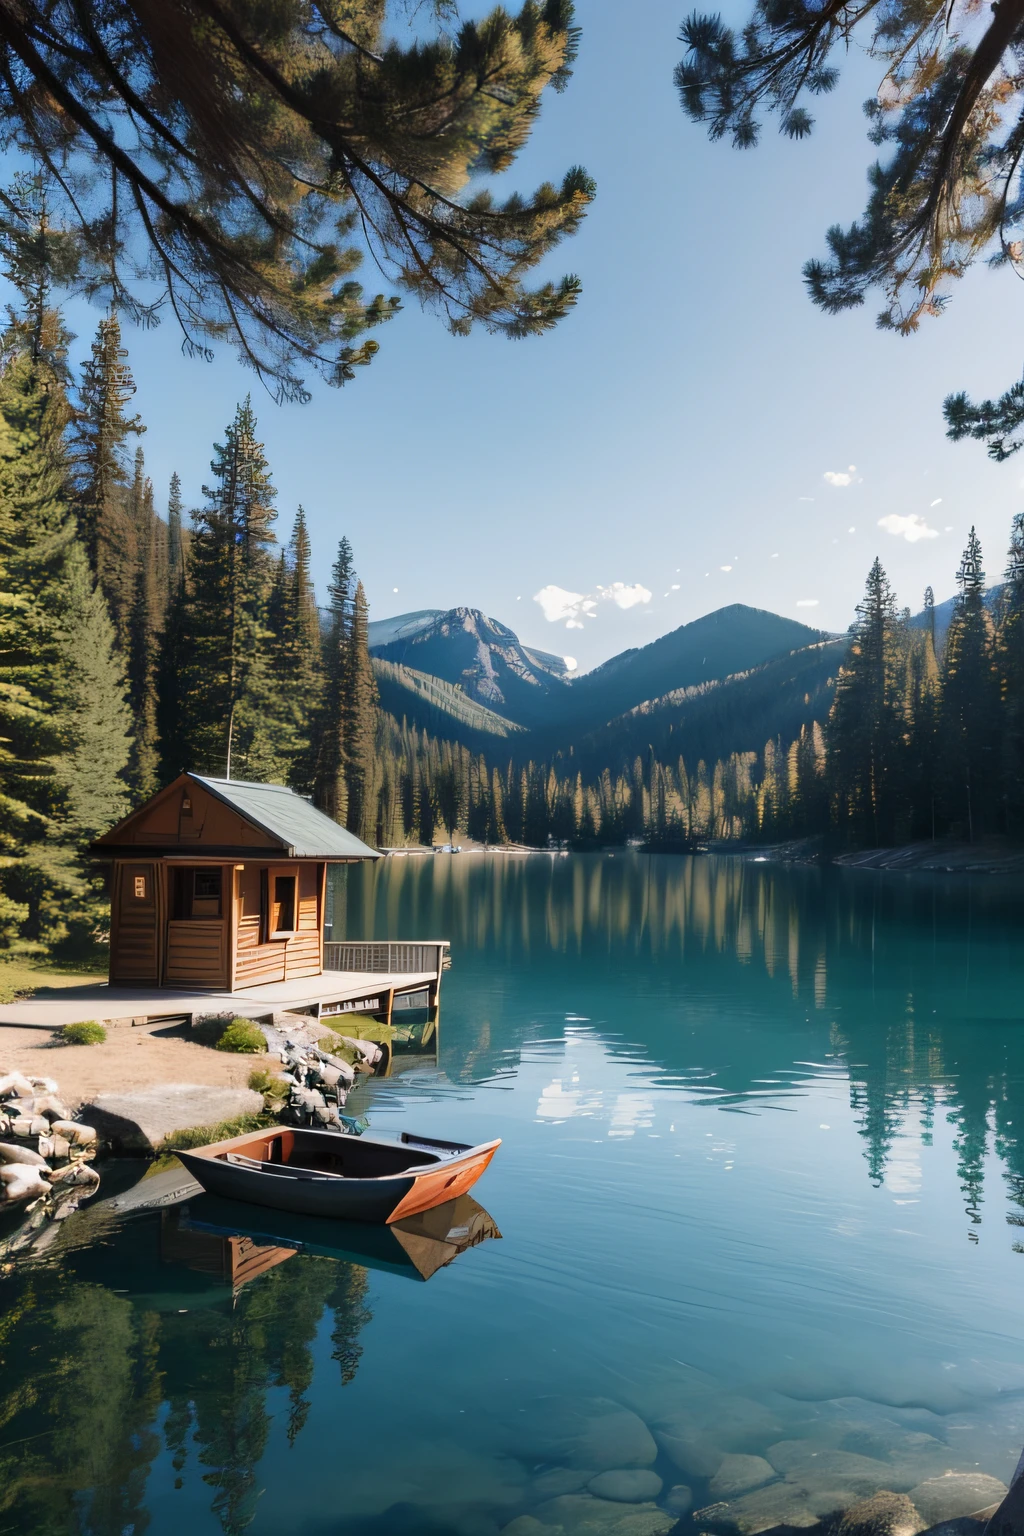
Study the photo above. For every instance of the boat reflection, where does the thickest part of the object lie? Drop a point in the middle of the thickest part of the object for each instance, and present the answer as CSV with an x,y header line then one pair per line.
x,y
237,1242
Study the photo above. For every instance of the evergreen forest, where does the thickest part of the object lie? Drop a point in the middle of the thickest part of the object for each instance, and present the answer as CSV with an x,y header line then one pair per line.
x,y
136,645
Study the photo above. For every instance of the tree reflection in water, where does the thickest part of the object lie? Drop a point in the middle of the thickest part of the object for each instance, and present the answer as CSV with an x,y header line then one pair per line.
x,y
84,1373
908,984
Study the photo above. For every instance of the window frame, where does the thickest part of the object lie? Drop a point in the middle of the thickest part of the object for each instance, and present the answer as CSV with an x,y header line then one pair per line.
x,y
277,872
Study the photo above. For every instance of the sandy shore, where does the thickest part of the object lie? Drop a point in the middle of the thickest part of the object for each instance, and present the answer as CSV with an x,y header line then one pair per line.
x,y
128,1058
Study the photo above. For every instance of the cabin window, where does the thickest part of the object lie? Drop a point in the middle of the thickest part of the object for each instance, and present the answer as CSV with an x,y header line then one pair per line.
x,y
197,893
279,892
140,887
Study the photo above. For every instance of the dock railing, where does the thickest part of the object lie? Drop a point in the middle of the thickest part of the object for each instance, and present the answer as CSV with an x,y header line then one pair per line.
x,y
398,958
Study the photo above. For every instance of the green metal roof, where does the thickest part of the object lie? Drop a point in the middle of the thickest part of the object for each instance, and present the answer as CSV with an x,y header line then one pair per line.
x,y
307,832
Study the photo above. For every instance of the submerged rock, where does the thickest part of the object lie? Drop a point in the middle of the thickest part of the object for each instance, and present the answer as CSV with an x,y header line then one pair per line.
x,y
142,1121
782,1503
527,1525
956,1494
885,1514
739,1474
626,1485
591,1432
679,1500
802,1461
556,1482
584,1515
693,1455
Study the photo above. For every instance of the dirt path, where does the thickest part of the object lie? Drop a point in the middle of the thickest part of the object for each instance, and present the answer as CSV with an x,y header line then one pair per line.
x,y
128,1058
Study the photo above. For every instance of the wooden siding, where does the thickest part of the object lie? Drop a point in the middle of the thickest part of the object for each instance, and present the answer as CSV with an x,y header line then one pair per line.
x,y
197,952
288,959
135,925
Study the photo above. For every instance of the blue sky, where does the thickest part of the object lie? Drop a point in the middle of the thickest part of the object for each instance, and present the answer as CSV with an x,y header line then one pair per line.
x,y
674,434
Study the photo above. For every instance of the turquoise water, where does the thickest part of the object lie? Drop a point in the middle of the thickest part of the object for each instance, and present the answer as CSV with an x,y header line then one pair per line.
x,y
762,1177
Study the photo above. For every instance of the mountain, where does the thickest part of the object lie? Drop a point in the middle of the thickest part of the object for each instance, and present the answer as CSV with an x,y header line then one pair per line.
x,y
738,713
719,645
478,655
438,707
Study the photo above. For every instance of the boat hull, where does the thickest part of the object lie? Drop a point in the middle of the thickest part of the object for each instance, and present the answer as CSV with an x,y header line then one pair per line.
x,y
389,1198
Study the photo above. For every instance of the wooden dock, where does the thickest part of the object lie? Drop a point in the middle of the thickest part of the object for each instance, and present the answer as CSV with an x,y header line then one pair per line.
x,y
360,977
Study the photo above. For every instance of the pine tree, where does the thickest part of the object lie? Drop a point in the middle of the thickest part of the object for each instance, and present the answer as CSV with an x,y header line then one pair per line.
x,y
360,722
1010,667
175,540
102,430
866,728
67,665
298,653
231,716
330,786
147,621
970,702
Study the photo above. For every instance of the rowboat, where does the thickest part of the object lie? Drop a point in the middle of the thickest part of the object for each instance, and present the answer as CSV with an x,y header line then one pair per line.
x,y
356,1178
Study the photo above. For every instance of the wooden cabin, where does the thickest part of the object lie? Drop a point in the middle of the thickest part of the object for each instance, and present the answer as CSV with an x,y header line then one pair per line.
x,y
220,884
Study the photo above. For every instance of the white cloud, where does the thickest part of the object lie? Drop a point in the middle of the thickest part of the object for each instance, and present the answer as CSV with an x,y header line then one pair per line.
x,y
949,529
851,530
570,663
674,587
394,589
911,527
624,595
936,502
725,567
840,476
559,605
807,498
775,556
807,602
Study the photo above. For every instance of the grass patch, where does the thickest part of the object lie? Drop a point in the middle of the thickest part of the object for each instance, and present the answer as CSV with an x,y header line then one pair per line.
x,y
201,1135
86,1032
244,1037
26,975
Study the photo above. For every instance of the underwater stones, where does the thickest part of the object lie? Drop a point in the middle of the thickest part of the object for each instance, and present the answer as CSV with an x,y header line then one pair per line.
x,y
956,1494
143,1120
762,1510
583,1515
885,1514
804,1462
630,1485
557,1481
528,1525
739,1474
679,1499
693,1454
591,1432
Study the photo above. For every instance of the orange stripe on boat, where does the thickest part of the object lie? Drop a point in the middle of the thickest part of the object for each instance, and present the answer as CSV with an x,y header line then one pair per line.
x,y
436,1185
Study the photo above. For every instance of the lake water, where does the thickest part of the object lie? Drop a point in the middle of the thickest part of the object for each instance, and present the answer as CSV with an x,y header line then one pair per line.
x,y
761,1181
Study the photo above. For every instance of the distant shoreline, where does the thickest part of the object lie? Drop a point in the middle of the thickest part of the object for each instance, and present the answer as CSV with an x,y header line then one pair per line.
x,y
991,857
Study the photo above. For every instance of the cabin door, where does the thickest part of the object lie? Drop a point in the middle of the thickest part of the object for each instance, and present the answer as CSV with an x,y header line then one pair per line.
x,y
135,956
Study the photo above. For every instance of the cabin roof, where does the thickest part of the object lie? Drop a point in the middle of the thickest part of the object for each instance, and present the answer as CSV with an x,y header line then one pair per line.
x,y
293,827
308,833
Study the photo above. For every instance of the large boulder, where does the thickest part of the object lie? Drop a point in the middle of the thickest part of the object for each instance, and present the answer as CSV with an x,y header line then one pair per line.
x,y
803,1461
591,1432
739,1474
626,1485
956,1494
583,1515
885,1514
143,1120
